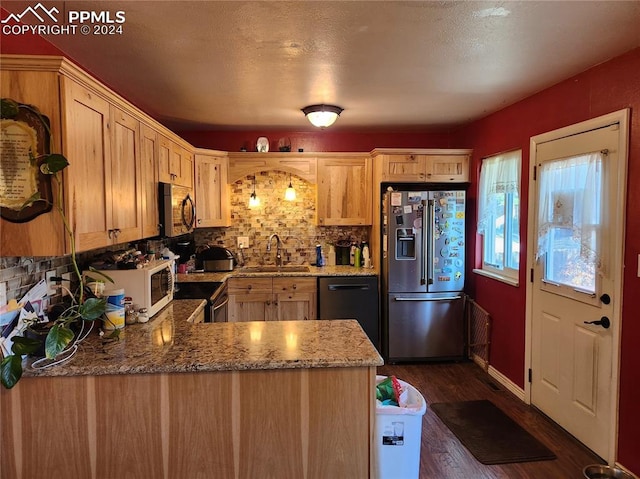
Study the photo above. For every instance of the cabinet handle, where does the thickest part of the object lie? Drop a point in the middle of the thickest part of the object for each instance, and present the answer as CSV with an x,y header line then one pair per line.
x,y
249,287
275,303
110,234
295,286
199,221
268,303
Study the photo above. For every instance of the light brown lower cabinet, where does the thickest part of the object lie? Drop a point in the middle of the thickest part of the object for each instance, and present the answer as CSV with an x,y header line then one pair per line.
x,y
272,299
284,423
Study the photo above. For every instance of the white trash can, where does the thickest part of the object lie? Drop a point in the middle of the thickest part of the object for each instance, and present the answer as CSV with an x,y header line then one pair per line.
x,y
398,432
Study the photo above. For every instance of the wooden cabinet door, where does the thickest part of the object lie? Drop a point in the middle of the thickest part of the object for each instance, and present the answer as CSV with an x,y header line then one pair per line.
x,y
294,298
250,307
87,146
250,299
404,167
448,168
126,181
149,178
211,191
165,149
344,191
184,166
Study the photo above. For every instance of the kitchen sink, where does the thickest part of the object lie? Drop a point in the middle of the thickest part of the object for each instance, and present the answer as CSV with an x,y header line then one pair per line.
x,y
275,269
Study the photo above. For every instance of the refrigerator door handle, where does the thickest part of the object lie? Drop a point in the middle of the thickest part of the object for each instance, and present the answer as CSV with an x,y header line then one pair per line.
x,y
447,298
432,241
423,262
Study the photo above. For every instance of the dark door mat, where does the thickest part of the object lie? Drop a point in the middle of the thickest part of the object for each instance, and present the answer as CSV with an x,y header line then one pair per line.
x,y
489,434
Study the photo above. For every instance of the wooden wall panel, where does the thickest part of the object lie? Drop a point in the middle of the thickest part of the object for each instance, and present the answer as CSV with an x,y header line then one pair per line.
x,y
128,411
338,425
200,425
270,422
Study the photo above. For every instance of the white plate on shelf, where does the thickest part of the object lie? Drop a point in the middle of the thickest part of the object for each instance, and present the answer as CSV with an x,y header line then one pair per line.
x,y
262,144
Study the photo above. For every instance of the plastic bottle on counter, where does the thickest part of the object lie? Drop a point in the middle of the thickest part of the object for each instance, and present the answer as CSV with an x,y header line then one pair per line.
x,y
319,261
331,256
352,254
366,256
357,262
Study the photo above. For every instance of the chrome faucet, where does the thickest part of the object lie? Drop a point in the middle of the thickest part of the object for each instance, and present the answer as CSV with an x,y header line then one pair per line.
x,y
278,244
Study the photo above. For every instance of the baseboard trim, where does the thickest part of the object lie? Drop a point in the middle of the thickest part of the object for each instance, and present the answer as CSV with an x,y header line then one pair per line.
x,y
507,383
480,361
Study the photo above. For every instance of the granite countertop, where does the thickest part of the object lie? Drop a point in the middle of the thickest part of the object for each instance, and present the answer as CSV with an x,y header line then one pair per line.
x,y
246,272
169,343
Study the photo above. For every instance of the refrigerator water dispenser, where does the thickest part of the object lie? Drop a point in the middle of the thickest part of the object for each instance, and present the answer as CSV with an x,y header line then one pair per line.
x,y
405,244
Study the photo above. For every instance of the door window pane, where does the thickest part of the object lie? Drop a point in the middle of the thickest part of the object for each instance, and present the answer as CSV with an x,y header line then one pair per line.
x,y
569,220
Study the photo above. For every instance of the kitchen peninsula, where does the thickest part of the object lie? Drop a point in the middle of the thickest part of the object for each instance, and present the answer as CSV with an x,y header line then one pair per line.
x,y
174,398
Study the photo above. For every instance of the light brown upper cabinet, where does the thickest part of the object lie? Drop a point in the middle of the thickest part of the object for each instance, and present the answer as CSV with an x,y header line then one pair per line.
x,y
344,190
149,176
110,186
211,189
44,235
246,164
103,183
425,167
175,163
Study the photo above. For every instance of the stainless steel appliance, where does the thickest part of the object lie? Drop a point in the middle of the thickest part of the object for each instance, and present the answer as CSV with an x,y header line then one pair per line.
x,y
351,297
177,210
423,272
215,258
213,291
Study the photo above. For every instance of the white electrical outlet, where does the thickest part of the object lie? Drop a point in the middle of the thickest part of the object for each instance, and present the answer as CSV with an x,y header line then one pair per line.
x,y
243,241
52,287
66,282
3,294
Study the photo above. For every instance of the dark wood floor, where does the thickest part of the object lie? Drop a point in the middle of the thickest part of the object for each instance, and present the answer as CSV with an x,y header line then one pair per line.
x,y
443,457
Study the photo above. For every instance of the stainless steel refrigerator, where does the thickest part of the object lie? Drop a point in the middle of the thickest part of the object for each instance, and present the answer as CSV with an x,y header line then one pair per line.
x,y
423,272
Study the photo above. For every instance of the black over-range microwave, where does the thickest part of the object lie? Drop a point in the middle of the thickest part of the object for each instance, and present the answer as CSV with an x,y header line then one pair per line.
x,y
177,210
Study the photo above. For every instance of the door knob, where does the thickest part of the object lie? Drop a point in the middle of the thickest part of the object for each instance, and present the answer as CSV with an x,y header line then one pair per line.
x,y
605,298
603,321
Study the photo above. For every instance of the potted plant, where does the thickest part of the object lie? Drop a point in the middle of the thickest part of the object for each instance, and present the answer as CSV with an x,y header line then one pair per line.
x,y
65,329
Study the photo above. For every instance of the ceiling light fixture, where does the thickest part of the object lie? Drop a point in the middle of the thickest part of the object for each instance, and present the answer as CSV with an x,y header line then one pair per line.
x,y
322,116
290,192
254,201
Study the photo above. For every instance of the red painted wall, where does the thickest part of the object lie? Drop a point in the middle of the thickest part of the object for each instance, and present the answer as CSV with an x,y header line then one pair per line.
x,y
321,140
608,87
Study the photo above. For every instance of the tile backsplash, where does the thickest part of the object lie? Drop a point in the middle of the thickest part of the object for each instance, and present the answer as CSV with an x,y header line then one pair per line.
x,y
293,221
20,274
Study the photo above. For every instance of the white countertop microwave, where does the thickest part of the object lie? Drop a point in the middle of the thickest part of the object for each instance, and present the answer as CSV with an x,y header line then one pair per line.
x,y
149,287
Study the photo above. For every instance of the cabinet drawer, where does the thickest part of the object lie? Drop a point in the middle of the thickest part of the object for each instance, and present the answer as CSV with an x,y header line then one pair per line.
x,y
294,285
249,285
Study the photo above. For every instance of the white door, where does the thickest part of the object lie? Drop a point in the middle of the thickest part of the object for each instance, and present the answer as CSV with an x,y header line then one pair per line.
x,y
576,286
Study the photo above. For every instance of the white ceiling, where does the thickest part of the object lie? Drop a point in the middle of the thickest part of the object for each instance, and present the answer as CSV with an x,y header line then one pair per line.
x,y
241,65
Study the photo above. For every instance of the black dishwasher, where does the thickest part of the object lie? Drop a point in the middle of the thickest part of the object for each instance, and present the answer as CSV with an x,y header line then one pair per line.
x,y
351,297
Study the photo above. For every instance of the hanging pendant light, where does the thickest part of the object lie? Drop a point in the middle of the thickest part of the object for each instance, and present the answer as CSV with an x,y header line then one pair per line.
x,y
290,192
254,201
322,116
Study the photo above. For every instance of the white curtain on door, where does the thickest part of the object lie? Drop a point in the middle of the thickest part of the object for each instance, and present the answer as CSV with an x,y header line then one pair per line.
x,y
499,174
570,197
